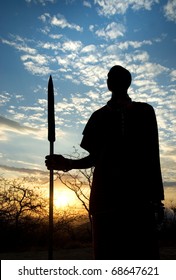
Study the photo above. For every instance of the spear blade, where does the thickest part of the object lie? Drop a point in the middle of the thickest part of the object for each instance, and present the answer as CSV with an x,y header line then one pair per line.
x,y
51,117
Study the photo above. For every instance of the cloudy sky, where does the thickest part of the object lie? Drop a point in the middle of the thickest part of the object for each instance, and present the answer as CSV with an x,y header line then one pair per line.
x,y
77,42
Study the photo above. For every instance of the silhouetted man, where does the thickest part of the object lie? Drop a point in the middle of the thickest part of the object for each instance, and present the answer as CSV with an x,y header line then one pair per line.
x,y
127,188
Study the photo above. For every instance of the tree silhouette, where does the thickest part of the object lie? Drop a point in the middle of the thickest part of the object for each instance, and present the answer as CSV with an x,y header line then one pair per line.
x,y
18,201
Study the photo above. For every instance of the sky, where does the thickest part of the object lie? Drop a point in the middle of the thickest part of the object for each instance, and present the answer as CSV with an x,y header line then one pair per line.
x,y
77,42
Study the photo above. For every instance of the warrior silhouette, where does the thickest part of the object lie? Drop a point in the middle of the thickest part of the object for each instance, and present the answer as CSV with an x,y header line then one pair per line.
x,y
127,188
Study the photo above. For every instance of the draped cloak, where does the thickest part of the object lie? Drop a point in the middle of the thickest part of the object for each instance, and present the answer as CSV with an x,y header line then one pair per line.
x,y
124,143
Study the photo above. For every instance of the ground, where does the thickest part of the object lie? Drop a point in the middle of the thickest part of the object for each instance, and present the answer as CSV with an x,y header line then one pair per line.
x,y
85,253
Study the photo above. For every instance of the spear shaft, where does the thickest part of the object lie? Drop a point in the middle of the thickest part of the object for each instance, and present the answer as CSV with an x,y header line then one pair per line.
x,y
51,139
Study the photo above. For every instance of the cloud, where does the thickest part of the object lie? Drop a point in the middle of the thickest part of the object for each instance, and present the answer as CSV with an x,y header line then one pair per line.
x,y
37,65
111,31
57,21
170,10
13,126
111,7
44,17
173,75
71,46
35,69
88,64
168,159
4,98
87,4
61,22
151,70
24,123
20,45
55,36
23,170
88,48
42,2
34,62
49,45
38,58
133,44
19,171
35,127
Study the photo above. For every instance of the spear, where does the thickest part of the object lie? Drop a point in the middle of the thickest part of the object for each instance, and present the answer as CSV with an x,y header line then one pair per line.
x,y
51,139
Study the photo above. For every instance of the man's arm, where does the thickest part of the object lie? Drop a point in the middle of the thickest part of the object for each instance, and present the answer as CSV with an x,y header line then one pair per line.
x,y
58,162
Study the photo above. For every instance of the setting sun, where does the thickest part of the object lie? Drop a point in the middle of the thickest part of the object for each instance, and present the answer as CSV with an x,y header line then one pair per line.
x,y
64,198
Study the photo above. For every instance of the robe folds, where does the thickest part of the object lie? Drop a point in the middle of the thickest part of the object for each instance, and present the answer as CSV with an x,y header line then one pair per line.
x,y
127,179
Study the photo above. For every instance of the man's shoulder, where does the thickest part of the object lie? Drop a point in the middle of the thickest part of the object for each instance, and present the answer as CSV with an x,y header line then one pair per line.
x,y
100,111
138,106
143,106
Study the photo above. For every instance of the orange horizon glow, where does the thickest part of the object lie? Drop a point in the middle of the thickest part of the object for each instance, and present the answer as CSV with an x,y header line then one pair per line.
x,y
64,198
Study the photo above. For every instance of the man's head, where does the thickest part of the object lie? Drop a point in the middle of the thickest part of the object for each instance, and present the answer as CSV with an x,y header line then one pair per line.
x,y
119,79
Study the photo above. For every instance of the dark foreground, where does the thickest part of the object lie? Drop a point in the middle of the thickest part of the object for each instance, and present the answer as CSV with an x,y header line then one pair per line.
x,y
166,252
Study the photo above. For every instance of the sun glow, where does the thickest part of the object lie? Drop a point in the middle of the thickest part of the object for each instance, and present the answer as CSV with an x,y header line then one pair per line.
x,y
64,199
